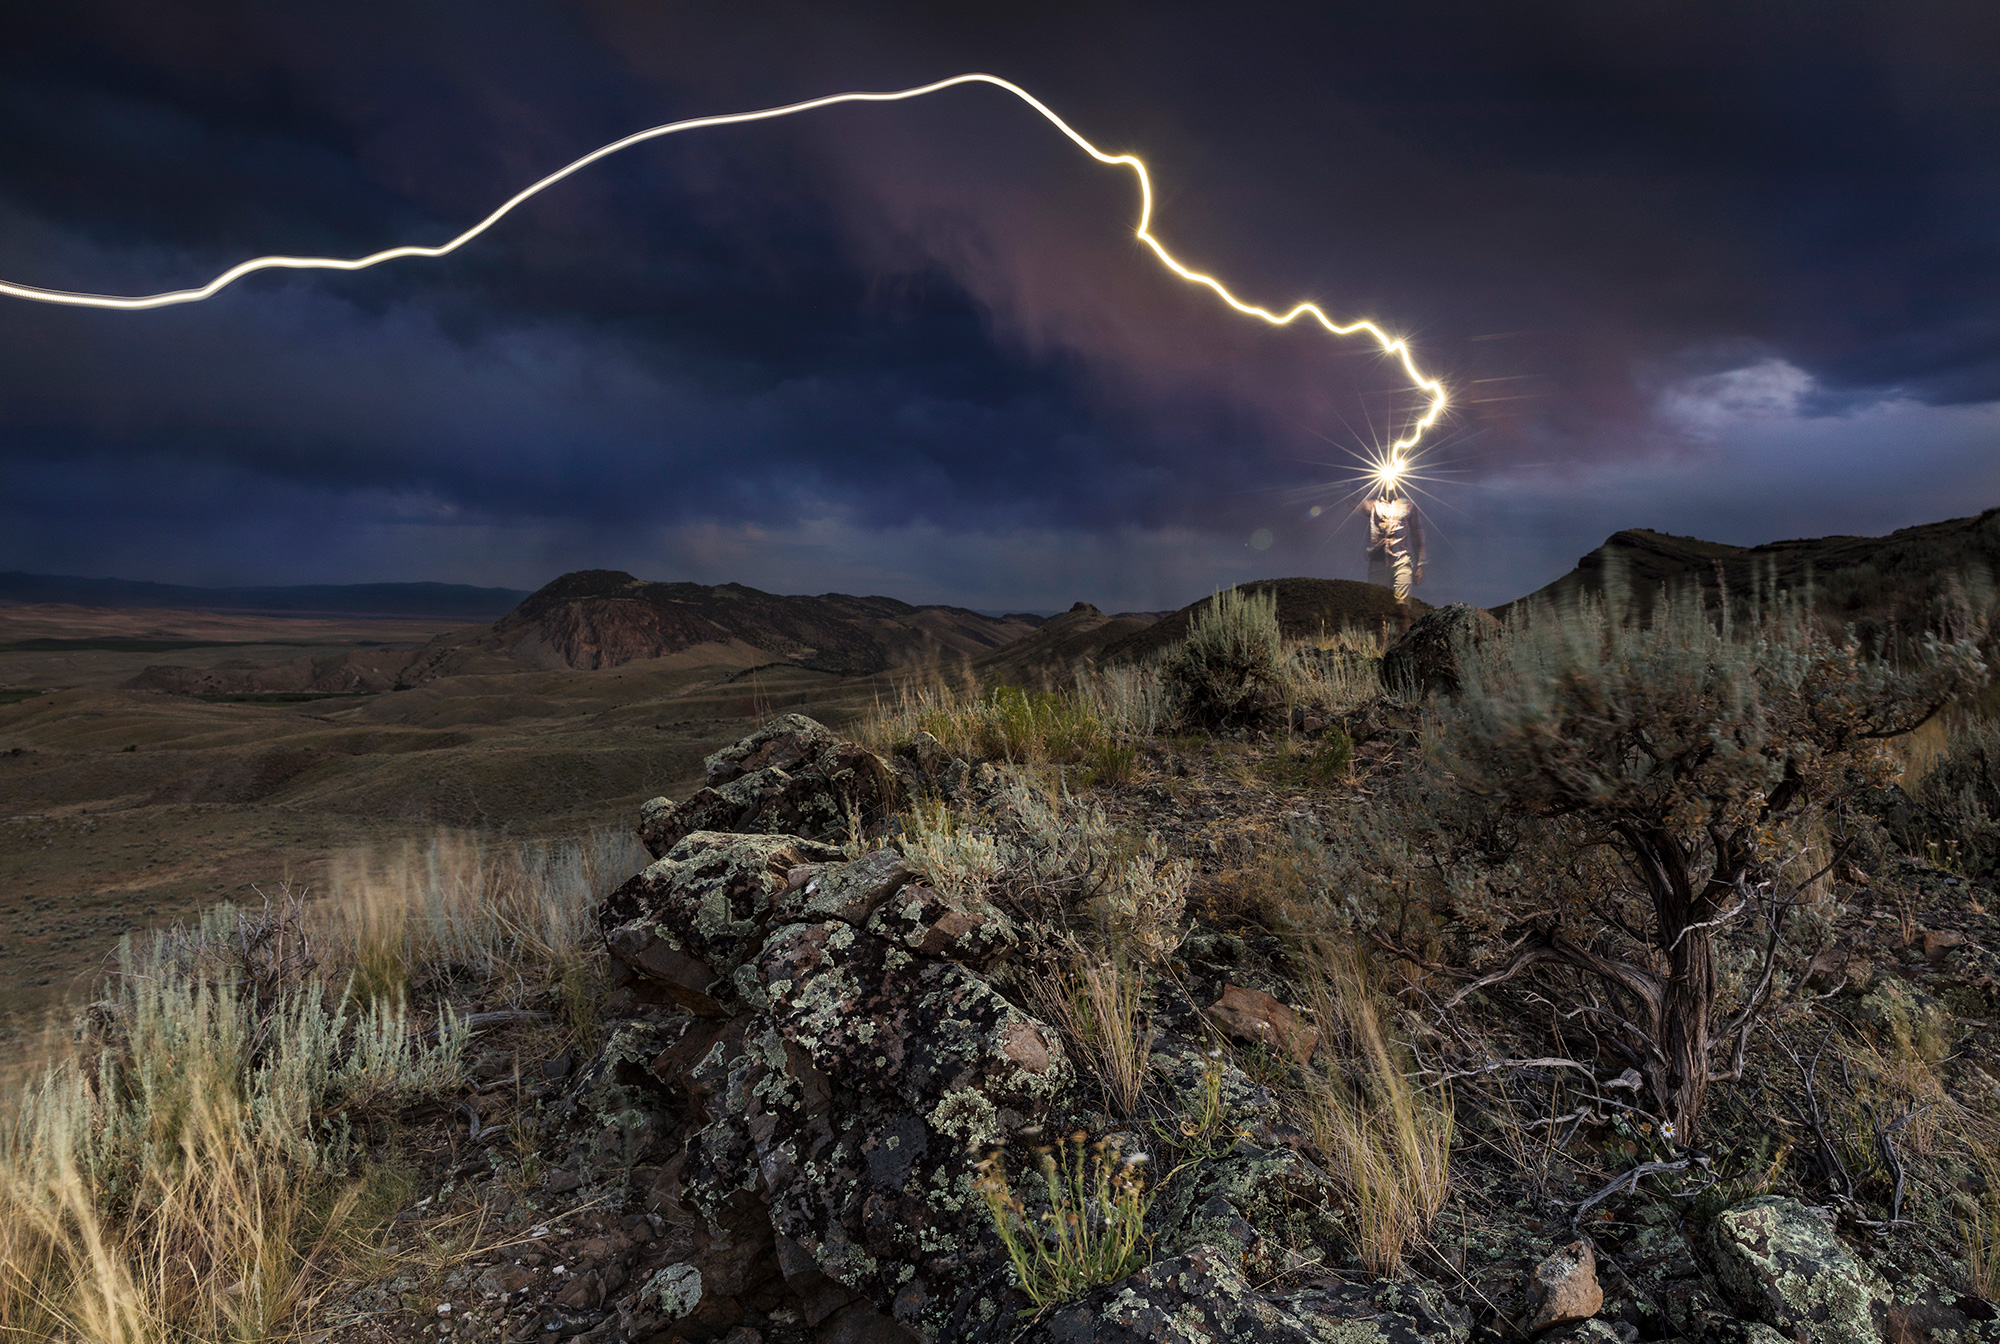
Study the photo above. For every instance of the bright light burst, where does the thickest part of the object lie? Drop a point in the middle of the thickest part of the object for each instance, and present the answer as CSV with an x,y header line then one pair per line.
x,y
1392,346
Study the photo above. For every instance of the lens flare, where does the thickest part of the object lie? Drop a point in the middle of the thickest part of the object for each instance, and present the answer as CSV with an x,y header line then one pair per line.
x,y
1394,347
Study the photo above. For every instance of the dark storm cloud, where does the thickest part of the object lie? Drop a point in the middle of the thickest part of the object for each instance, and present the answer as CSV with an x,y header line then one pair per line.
x,y
932,316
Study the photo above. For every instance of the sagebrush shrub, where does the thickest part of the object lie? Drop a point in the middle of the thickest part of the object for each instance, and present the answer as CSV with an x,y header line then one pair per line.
x,y
1229,673
1625,788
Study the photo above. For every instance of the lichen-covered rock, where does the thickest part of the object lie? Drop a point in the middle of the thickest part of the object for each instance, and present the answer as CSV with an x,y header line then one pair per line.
x,y
613,1099
956,928
784,742
849,892
1782,1264
926,769
1674,1291
1203,1298
852,1105
1424,661
1583,1332
791,777
1289,1207
1183,1071
690,919
920,1030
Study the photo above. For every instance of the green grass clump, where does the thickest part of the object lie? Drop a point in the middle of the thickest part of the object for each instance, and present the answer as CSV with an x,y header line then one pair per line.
x,y
1113,763
1329,761
1023,725
1092,1231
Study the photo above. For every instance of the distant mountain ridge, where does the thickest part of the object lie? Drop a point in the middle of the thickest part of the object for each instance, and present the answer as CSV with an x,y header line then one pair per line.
x,y
1052,652
443,601
599,618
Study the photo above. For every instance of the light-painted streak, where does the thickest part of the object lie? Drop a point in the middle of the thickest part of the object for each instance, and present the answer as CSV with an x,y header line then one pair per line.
x,y
1393,346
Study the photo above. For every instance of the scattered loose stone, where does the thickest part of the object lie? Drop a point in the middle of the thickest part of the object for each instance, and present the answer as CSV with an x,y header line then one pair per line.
x,y
1564,1288
1254,1016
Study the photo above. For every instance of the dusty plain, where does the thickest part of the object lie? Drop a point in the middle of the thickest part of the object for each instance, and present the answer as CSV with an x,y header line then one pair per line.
x,y
125,810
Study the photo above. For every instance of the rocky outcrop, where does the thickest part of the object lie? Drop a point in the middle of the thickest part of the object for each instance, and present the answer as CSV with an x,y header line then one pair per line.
x,y
843,1067
690,920
1782,1265
830,1060
793,777
1425,660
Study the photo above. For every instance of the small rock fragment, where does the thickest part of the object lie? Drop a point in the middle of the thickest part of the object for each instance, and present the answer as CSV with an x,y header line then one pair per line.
x,y
1254,1016
1565,1288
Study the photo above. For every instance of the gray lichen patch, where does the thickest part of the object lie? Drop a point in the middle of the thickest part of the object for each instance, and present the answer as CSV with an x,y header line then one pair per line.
x,y
1783,1265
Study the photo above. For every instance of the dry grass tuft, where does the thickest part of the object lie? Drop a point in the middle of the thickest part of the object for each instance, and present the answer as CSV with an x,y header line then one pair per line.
x,y
1981,1233
1386,1144
1097,1008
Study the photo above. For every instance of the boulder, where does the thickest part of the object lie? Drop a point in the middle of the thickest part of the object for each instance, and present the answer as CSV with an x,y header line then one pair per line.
x,y
1424,661
791,777
1563,1289
852,1107
1782,1265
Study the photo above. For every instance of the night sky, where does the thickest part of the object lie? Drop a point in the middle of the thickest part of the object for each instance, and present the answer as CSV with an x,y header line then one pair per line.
x,y
1727,270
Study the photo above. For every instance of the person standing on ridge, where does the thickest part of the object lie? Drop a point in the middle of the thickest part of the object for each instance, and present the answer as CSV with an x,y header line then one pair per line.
x,y
1395,536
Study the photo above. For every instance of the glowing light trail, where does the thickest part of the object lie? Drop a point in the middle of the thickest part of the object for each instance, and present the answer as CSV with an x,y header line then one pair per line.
x,y
1392,346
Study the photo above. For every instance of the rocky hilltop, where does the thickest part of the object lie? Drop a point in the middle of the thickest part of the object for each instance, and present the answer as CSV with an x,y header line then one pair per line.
x,y
820,1059
1875,582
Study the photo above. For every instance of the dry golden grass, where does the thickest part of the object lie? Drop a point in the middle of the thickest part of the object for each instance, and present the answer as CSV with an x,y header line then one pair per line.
x,y
1266,878
1387,1145
213,1239
1981,1233
185,1171
1097,1008
460,909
